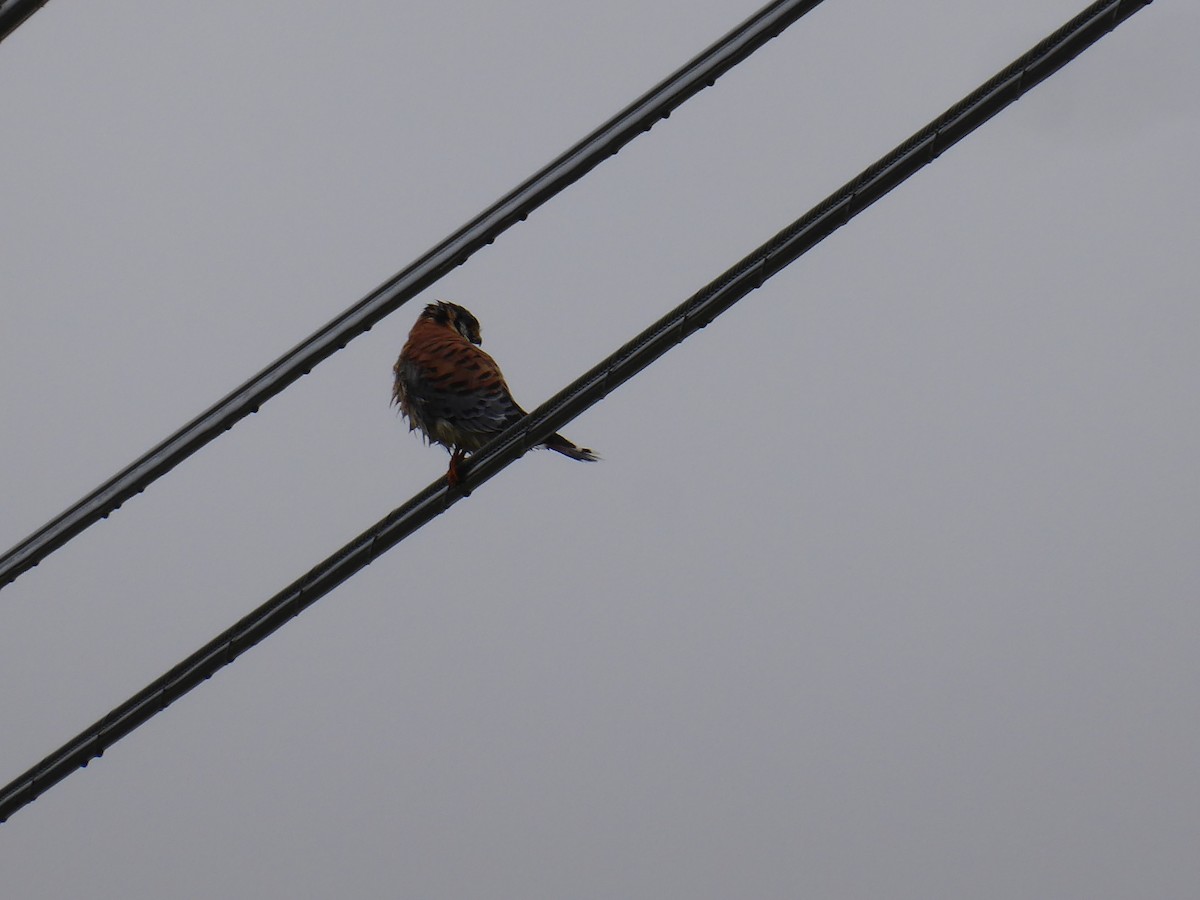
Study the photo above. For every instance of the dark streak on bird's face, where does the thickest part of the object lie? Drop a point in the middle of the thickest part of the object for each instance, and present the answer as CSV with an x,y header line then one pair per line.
x,y
456,317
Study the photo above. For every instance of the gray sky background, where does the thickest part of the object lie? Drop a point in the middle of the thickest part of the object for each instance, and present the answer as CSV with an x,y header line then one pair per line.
x,y
886,587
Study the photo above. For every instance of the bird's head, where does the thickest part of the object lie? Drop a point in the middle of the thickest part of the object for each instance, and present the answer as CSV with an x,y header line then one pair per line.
x,y
454,316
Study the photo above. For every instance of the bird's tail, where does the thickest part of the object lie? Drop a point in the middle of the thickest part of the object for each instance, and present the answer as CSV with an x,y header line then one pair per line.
x,y
566,448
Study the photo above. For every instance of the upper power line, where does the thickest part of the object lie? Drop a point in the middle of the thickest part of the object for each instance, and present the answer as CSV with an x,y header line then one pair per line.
x,y
696,312
14,12
568,168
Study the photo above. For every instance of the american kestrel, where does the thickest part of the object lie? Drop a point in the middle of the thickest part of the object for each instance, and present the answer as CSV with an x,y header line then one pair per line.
x,y
453,391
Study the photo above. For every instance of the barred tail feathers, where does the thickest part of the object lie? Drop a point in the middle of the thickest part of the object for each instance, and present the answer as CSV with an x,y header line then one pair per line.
x,y
560,444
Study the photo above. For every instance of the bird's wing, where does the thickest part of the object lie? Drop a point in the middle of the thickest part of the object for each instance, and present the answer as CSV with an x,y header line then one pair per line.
x,y
453,380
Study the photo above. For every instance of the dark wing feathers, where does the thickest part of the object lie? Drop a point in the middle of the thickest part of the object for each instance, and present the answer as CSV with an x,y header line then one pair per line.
x,y
454,392
443,378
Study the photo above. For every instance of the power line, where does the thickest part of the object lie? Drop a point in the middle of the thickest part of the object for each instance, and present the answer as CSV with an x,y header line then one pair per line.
x,y
568,168
15,12
700,309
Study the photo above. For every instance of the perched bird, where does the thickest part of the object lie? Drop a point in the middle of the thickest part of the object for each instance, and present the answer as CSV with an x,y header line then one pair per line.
x,y
453,391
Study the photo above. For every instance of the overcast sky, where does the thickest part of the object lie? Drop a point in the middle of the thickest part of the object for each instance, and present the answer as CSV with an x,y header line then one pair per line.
x,y
887,585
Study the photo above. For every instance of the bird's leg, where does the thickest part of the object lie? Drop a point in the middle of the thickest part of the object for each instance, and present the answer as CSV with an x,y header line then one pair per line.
x,y
453,476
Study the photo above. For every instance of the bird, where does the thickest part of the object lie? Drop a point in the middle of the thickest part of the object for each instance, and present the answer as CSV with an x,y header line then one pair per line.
x,y
453,392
